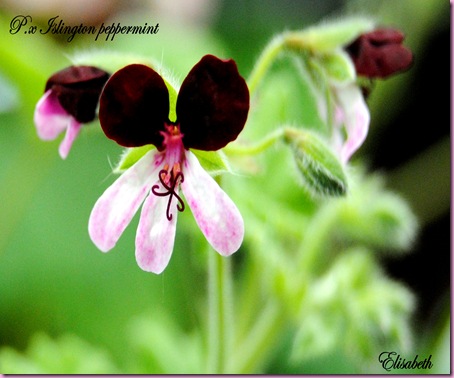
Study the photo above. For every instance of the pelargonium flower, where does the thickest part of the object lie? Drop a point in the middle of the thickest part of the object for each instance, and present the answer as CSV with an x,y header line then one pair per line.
x,y
70,99
380,53
211,110
376,54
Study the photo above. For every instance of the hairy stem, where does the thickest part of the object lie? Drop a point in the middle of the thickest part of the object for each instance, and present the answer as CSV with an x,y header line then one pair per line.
x,y
220,306
264,62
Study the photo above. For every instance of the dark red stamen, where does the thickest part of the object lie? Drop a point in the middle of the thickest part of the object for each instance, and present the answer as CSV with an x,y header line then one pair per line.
x,y
169,185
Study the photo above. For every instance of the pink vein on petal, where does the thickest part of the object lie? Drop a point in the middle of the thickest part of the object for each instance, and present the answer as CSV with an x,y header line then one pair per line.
x,y
50,118
155,235
71,133
215,213
117,205
356,119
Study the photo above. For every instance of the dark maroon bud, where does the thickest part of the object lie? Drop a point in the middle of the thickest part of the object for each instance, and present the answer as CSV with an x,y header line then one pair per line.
x,y
212,105
78,89
134,107
380,53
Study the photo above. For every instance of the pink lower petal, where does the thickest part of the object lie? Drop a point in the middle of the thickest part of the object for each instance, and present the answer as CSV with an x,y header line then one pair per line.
x,y
50,118
71,133
337,138
215,213
356,119
115,208
155,235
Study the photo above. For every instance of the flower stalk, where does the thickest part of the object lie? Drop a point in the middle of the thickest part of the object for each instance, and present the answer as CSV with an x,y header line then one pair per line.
x,y
220,307
258,147
266,59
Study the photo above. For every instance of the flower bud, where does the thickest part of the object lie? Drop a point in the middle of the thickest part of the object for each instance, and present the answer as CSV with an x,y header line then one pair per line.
x,y
380,53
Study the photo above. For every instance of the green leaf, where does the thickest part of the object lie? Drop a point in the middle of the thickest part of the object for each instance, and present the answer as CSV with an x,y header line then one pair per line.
x,y
329,35
376,218
158,345
338,66
66,355
131,156
321,171
214,162
354,307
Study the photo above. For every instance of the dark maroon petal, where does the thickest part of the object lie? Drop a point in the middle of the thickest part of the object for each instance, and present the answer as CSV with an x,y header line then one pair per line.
x,y
380,53
134,106
78,89
393,59
385,36
212,104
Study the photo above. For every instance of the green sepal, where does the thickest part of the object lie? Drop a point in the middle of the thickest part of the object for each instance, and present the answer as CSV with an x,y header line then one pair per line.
x,y
329,35
173,94
338,66
131,156
320,169
214,162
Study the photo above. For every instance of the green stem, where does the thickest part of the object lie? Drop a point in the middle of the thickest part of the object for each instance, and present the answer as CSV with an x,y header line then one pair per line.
x,y
220,306
284,133
288,40
318,233
255,148
259,342
264,62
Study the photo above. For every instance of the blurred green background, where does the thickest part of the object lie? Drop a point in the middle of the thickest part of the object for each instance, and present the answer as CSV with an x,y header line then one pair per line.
x,y
54,280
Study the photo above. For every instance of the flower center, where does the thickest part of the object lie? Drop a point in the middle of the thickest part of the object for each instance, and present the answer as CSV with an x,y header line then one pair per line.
x,y
170,181
173,138
173,156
